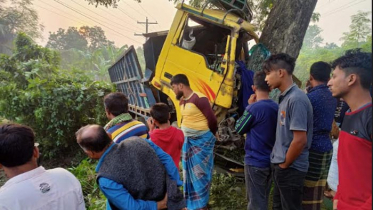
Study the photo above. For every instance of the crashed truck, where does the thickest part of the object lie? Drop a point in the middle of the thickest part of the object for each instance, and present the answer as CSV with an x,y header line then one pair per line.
x,y
205,45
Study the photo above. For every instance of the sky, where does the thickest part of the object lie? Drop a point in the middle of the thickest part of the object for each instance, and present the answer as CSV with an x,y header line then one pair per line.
x,y
120,23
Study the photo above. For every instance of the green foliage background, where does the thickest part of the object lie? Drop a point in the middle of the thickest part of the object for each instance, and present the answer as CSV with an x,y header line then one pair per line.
x,y
55,103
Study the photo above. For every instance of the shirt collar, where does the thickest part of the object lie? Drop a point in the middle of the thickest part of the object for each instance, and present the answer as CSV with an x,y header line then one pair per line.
x,y
24,176
322,86
288,90
283,94
103,157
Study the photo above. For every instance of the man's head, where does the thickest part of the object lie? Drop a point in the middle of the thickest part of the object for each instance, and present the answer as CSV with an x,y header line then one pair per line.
x,y
115,104
351,71
179,84
17,146
93,139
260,83
277,68
319,73
160,112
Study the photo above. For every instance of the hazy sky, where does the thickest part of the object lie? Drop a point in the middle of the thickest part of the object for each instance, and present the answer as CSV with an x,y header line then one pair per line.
x,y
120,23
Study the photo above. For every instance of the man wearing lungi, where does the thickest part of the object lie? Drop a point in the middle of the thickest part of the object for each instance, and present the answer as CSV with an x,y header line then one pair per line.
x,y
199,126
320,152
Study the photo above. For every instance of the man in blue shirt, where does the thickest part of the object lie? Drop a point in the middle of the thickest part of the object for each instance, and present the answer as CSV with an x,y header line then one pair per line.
x,y
259,122
320,153
134,174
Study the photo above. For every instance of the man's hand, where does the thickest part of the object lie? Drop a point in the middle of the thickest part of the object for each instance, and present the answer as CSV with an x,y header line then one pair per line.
x,y
335,202
151,124
283,165
163,203
252,98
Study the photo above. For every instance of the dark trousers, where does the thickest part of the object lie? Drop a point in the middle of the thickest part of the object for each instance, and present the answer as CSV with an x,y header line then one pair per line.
x,y
288,190
258,185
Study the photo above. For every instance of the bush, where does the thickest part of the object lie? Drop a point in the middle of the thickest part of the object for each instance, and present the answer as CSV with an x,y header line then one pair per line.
x,y
54,109
53,102
227,192
85,172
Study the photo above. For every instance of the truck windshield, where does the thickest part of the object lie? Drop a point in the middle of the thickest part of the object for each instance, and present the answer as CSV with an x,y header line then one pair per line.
x,y
206,39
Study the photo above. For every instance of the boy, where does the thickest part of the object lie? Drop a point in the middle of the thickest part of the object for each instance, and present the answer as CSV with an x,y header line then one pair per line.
x,y
259,123
167,137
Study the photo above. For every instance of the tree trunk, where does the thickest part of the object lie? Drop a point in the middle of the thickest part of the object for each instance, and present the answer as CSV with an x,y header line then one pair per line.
x,y
286,26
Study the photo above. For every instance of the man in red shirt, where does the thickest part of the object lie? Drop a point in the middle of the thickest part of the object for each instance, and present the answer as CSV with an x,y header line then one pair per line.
x,y
351,80
167,137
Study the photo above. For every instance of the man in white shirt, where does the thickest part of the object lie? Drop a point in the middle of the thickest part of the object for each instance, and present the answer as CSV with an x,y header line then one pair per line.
x,y
30,186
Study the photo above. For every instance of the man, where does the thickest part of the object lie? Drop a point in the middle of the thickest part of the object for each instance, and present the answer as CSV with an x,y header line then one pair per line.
x,y
293,133
121,125
167,137
31,186
259,123
320,153
351,80
199,126
133,173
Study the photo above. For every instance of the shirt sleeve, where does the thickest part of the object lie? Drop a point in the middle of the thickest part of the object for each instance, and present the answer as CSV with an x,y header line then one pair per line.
x,y
245,122
298,116
121,198
168,163
204,106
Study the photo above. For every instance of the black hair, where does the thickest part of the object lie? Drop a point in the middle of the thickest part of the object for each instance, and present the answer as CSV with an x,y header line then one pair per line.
x,y
160,112
356,62
116,103
16,144
180,78
259,81
279,61
320,71
96,142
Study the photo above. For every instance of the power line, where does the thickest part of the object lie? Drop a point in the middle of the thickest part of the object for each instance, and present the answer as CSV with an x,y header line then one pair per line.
x,y
95,21
330,1
104,17
54,12
146,12
127,15
147,23
132,8
342,8
75,20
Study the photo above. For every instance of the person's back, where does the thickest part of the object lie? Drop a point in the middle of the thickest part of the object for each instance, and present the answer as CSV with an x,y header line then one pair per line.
x,y
42,189
121,125
167,137
170,140
126,129
30,186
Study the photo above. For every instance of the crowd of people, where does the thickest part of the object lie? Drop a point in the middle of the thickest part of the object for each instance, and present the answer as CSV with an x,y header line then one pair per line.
x,y
288,145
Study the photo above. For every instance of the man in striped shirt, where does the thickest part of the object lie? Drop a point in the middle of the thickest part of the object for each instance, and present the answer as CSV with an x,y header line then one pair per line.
x,y
121,125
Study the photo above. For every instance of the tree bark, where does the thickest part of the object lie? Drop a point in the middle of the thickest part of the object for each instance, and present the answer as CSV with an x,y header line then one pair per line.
x,y
286,26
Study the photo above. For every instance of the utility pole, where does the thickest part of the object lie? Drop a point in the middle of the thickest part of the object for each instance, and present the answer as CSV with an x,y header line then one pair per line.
x,y
147,23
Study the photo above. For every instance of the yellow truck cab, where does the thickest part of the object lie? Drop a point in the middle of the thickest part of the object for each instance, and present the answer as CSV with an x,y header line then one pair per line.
x,y
210,63
204,44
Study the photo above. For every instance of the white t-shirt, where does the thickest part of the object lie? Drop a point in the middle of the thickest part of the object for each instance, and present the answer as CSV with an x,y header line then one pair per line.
x,y
42,189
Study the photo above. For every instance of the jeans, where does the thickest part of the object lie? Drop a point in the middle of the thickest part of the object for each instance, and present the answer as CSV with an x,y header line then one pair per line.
x,y
258,185
288,190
